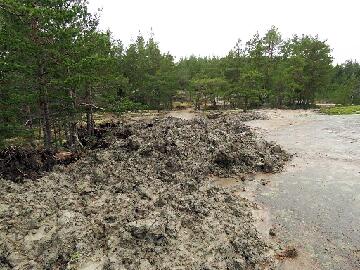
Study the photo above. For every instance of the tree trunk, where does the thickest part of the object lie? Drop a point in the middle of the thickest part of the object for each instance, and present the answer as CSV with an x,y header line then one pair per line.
x,y
73,131
46,123
29,122
89,114
89,121
44,105
55,130
40,125
197,103
246,104
214,103
72,134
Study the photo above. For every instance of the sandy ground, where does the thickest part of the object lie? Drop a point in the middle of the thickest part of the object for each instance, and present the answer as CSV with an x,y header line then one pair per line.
x,y
314,203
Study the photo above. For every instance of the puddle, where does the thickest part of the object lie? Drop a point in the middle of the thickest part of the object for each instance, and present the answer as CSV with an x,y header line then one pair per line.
x,y
225,182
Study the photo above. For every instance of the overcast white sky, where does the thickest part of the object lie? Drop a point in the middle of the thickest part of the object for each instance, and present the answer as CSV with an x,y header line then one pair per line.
x,y
209,27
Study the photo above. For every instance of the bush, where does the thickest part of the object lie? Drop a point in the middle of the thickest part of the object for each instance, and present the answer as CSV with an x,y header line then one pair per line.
x,y
355,109
126,105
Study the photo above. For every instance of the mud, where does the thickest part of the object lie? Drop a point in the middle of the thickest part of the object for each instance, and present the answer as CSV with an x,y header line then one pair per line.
x,y
144,202
19,163
314,202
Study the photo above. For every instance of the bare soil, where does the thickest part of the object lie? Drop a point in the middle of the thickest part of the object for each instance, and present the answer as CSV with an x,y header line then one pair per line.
x,y
146,201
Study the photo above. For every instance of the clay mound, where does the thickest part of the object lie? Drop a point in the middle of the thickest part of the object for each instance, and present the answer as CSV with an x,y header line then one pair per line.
x,y
145,202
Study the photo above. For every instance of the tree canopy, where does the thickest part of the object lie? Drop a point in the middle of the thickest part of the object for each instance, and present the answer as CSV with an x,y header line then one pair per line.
x,y
57,70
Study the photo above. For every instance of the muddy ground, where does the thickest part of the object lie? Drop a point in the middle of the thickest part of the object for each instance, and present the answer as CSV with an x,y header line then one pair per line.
x,y
314,204
150,200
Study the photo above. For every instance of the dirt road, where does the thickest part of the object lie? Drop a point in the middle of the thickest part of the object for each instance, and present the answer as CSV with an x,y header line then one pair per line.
x,y
315,203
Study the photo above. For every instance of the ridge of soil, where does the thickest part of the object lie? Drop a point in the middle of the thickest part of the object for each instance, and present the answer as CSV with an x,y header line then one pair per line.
x,y
144,202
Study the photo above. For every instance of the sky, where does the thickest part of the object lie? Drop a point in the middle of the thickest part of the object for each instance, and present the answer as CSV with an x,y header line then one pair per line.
x,y
211,28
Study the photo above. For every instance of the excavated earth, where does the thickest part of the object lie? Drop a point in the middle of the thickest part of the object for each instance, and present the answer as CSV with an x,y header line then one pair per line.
x,y
145,202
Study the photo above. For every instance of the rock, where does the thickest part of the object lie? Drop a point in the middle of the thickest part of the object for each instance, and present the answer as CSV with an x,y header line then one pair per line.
x,y
276,149
272,232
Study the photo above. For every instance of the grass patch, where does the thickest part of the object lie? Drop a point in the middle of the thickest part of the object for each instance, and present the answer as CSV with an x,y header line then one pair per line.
x,y
338,110
177,105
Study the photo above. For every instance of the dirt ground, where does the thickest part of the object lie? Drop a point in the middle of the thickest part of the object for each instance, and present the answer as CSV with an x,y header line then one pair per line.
x,y
150,200
187,191
314,204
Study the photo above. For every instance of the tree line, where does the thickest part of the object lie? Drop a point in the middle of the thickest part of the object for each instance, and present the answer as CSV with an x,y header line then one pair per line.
x,y
57,70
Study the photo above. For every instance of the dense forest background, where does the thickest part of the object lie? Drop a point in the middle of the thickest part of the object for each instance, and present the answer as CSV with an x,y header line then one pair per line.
x,y
57,70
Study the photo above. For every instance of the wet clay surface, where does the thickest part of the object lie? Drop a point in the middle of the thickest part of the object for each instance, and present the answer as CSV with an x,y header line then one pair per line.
x,y
314,203
147,201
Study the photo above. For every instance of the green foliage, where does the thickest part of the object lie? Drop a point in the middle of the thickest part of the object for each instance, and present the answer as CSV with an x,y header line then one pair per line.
x,y
345,85
56,68
207,89
40,42
312,57
338,110
127,105
152,76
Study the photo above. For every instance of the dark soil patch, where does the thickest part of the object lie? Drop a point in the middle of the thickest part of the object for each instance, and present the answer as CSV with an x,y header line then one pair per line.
x,y
288,253
17,164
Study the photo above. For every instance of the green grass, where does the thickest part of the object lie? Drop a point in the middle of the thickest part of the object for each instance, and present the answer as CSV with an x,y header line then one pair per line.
x,y
338,110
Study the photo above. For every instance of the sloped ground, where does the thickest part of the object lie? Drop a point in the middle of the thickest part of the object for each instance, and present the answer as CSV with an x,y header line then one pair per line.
x,y
145,202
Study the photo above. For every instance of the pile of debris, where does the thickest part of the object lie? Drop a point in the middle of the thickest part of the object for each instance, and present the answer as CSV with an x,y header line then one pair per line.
x,y
19,163
145,202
